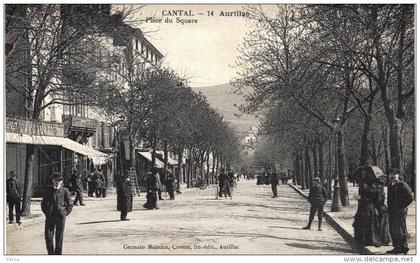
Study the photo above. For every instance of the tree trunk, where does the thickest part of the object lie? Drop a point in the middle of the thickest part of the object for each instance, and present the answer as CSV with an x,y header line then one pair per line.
x,y
364,142
165,157
394,143
132,152
308,172
329,180
315,159
178,174
374,151
302,172
154,145
28,183
386,149
213,167
208,167
321,161
344,194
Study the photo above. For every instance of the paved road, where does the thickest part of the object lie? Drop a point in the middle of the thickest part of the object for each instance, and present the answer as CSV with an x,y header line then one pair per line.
x,y
195,223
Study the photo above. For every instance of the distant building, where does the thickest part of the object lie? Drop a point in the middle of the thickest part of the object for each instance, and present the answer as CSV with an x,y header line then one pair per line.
x,y
249,141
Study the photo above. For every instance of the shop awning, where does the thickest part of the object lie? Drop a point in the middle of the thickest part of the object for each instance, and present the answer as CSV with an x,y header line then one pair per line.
x,y
170,160
97,156
148,156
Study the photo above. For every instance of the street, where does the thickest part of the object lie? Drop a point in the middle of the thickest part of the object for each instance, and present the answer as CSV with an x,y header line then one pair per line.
x,y
195,223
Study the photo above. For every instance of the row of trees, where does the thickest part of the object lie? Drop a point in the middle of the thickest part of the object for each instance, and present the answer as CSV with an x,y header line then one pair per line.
x,y
63,54
334,75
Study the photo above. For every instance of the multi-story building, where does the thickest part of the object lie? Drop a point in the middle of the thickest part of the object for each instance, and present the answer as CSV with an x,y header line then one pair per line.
x,y
66,136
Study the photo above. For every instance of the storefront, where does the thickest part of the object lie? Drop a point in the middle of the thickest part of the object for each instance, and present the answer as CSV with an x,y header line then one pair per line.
x,y
52,154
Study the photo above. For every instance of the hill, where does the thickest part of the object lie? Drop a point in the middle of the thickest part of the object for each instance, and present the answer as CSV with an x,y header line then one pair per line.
x,y
223,100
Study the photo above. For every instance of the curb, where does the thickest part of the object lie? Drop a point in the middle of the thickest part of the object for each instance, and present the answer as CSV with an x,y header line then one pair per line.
x,y
339,226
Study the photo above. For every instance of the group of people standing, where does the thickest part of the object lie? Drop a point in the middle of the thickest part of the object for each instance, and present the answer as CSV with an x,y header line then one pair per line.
x,y
376,224
154,182
96,183
226,183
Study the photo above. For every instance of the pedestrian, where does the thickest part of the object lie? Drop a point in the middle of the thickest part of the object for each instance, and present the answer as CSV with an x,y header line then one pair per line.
x,y
152,188
124,196
170,179
371,226
13,197
274,180
56,205
76,182
98,182
399,198
91,183
266,178
317,198
161,182
232,180
224,184
103,182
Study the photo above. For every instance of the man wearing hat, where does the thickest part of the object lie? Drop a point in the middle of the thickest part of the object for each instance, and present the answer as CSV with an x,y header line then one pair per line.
x,y
151,187
13,197
76,182
124,196
317,198
274,180
399,198
56,205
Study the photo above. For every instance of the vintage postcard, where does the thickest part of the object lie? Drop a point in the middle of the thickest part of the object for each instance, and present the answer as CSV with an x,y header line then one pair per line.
x,y
209,129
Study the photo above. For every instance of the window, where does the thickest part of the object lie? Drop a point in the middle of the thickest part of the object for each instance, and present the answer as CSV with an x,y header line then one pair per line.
x,y
53,117
66,109
137,44
99,135
106,134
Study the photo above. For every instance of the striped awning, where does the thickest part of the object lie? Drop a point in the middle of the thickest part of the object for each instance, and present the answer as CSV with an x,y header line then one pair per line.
x,y
97,156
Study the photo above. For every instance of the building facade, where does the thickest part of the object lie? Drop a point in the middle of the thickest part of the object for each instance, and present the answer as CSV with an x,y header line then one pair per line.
x,y
70,135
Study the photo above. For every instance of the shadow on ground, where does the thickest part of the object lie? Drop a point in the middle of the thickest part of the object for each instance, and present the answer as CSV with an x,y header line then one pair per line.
x,y
311,247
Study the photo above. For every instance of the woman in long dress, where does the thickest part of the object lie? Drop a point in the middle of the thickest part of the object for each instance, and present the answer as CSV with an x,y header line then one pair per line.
x,y
371,227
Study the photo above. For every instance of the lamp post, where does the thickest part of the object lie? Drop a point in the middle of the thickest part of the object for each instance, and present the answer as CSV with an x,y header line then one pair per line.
x,y
336,202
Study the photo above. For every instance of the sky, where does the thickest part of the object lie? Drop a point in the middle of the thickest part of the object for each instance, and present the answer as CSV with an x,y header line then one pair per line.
x,y
203,52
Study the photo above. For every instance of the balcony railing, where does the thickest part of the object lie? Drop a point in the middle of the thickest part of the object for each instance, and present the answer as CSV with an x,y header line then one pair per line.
x,y
32,127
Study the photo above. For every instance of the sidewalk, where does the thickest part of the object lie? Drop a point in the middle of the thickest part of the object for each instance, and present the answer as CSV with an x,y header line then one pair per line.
x,y
342,222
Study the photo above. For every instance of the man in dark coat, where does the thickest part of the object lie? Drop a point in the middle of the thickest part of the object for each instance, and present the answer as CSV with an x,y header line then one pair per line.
x,y
170,185
56,205
13,197
76,183
274,180
317,198
399,198
98,182
152,187
124,196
